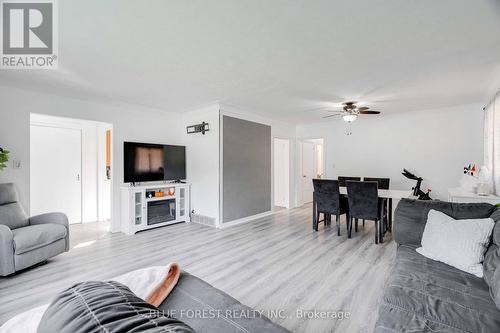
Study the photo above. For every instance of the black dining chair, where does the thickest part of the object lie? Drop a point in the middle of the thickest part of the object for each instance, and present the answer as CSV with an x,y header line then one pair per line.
x,y
383,184
328,201
365,204
343,179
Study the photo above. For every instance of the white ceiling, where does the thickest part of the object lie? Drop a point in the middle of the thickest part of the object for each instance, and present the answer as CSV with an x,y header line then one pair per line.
x,y
282,58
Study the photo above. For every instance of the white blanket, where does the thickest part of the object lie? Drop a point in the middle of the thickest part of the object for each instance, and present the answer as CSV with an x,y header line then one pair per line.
x,y
142,282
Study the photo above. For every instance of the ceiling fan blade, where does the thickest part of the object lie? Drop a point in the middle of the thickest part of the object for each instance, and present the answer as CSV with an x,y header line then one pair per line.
x,y
369,112
332,115
362,108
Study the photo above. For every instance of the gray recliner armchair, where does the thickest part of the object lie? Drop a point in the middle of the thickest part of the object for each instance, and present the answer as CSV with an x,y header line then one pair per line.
x,y
26,241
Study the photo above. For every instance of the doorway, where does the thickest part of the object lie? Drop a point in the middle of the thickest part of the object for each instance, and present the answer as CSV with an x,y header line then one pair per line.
x,y
281,173
70,168
311,166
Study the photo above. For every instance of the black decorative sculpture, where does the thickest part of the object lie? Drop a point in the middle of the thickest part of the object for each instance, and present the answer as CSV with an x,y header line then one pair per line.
x,y
416,190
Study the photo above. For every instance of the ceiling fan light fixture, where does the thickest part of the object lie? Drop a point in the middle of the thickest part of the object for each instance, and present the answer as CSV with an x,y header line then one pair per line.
x,y
348,118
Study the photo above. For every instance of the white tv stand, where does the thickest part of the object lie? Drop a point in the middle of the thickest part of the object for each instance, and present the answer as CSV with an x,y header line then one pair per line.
x,y
141,213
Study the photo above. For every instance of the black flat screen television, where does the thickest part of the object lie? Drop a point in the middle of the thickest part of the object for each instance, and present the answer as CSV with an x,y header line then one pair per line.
x,y
147,162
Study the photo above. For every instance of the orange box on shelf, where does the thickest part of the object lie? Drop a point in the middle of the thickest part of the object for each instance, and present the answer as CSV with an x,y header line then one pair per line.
x,y
159,194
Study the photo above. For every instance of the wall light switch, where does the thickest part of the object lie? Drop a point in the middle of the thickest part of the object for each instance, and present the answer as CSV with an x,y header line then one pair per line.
x,y
16,164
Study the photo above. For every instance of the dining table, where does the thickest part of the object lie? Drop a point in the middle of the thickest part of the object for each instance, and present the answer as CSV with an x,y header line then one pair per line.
x,y
390,195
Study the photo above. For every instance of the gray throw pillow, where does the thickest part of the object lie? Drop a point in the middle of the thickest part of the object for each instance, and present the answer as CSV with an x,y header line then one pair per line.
x,y
105,307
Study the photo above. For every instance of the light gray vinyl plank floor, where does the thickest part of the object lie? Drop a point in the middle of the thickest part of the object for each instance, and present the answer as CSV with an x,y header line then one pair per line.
x,y
271,264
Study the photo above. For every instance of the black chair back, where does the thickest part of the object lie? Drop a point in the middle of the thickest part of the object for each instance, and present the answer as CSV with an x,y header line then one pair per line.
x,y
327,196
343,179
363,200
383,183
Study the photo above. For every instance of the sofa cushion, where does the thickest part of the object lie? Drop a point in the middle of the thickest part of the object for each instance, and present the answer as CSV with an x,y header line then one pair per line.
x,y
426,295
28,259
11,212
105,307
13,216
210,310
8,194
35,236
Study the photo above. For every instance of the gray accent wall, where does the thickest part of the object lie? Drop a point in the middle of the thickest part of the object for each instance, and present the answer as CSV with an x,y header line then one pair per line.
x,y
246,156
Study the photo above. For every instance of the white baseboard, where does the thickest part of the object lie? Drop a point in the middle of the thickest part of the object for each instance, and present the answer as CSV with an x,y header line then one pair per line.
x,y
244,220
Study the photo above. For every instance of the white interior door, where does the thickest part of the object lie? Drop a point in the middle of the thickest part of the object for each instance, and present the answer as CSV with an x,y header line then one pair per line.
x,y
281,173
308,170
55,171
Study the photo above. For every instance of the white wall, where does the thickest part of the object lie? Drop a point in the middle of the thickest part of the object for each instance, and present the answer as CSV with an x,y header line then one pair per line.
x,y
130,123
202,161
434,144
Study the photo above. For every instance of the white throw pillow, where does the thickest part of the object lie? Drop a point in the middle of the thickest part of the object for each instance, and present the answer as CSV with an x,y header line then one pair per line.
x,y
458,243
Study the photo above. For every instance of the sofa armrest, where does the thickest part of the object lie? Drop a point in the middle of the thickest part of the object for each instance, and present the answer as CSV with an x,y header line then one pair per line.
x,y
55,218
6,251
409,222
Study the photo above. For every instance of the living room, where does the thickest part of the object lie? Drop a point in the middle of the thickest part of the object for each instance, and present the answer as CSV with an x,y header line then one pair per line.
x,y
232,139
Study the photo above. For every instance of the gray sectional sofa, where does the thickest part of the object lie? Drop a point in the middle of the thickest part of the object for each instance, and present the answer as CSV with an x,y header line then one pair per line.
x,y
423,295
26,241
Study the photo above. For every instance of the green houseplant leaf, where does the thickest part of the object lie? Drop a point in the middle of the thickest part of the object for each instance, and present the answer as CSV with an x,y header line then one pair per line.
x,y
4,158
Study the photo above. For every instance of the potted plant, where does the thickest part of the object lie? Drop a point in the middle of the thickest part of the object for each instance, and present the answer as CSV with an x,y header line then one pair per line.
x,y
4,158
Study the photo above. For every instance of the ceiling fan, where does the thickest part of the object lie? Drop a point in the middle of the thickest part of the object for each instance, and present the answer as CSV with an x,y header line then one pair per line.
x,y
350,112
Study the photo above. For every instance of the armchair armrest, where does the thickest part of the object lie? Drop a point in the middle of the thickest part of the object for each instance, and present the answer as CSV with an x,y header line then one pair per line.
x,y
6,251
55,218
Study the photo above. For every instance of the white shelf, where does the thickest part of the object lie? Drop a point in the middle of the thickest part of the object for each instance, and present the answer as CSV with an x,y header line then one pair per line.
x,y
166,197
459,195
